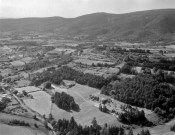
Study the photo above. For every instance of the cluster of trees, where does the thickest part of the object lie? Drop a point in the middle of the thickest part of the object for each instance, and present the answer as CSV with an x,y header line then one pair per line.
x,y
163,63
144,132
103,108
2,106
70,127
132,115
103,65
67,73
159,65
65,101
145,90
3,103
47,85
127,69
18,123
136,50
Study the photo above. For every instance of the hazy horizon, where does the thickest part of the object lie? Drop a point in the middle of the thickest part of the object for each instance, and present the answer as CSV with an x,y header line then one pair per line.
x,y
75,8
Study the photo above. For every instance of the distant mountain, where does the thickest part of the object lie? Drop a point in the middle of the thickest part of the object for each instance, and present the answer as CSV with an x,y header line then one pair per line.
x,y
138,26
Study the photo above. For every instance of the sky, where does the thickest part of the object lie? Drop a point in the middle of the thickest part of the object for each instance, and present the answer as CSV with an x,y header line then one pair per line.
x,y
74,8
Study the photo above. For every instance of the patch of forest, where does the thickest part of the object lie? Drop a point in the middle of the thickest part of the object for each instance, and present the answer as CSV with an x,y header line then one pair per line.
x,y
131,115
67,73
65,101
145,90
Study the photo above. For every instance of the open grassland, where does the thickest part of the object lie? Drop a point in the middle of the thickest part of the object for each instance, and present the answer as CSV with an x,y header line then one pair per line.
x,y
40,103
83,90
18,130
60,113
88,109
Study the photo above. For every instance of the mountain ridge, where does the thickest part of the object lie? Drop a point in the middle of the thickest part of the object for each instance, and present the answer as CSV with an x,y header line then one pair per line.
x,y
139,26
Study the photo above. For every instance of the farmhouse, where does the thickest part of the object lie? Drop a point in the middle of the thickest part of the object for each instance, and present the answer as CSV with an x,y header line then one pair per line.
x,y
68,84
